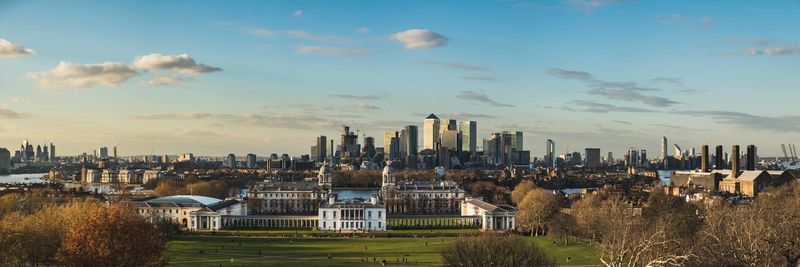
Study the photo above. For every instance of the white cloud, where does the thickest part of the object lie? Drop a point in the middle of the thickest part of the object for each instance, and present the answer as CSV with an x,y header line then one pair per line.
x,y
363,106
420,38
362,29
332,51
298,13
180,63
72,75
11,50
163,79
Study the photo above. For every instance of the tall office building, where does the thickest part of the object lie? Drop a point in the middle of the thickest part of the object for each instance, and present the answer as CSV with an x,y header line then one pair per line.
x,y
52,152
368,150
251,161
103,152
515,139
45,155
390,150
115,152
469,136
551,153
676,151
230,161
592,157
450,139
610,158
411,142
663,147
5,161
349,143
632,158
431,129
319,151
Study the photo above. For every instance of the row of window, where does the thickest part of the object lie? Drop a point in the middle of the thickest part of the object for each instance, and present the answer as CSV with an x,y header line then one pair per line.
x,y
351,225
348,214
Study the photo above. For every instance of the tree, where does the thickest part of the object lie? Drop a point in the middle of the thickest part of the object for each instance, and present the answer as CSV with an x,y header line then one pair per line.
x,y
521,190
494,250
587,215
536,209
562,225
112,236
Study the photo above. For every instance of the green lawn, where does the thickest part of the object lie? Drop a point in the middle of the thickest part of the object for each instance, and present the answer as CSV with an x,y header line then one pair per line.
x,y
218,251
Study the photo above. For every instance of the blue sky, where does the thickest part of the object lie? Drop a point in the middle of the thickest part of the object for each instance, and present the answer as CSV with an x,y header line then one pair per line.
x,y
268,76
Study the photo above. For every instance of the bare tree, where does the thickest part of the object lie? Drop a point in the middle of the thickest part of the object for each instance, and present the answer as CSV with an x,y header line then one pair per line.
x,y
537,208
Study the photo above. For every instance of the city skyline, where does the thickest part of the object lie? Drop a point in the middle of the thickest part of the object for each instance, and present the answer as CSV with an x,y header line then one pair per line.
x,y
217,80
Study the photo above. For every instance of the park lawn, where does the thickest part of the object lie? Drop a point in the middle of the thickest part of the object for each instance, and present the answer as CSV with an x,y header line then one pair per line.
x,y
581,252
218,251
308,231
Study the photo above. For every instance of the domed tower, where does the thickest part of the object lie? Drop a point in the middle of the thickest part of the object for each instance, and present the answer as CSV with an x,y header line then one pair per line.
x,y
388,174
324,175
388,181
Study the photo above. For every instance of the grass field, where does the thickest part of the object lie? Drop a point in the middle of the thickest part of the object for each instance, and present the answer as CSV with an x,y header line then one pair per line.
x,y
262,251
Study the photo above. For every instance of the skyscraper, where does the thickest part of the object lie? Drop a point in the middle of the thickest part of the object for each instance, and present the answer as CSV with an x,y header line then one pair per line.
x,y
592,157
411,143
551,153
663,147
230,161
251,161
5,161
368,150
431,128
469,136
320,149
103,152
52,152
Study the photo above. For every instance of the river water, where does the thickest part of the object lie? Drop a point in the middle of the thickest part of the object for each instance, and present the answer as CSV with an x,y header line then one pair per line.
x,y
26,178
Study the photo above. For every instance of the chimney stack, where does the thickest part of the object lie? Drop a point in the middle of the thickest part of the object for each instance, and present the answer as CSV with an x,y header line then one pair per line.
x,y
735,161
704,159
718,158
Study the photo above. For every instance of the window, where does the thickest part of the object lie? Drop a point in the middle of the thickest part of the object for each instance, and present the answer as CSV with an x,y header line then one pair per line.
x,y
379,225
324,225
379,214
324,214
369,214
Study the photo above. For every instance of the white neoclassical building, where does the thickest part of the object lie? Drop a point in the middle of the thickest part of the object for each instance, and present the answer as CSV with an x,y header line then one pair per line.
x,y
178,208
352,215
210,217
494,218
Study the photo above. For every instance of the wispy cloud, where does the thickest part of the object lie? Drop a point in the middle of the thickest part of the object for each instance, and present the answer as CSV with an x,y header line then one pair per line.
x,y
704,22
174,116
332,51
317,37
626,91
10,114
458,115
363,106
673,81
482,98
749,121
458,65
480,78
11,50
589,106
362,29
298,13
420,38
591,5
781,50
360,97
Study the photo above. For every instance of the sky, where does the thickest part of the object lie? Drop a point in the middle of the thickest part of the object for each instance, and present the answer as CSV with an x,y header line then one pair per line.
x,y
212,78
